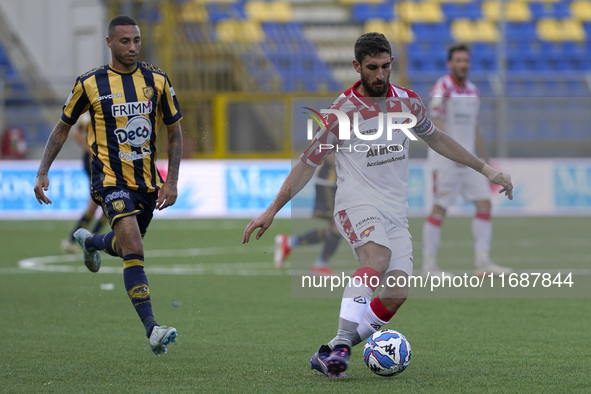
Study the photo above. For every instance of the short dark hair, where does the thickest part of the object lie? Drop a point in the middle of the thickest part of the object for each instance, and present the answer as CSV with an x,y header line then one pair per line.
x,y
371,44
121,20
457,48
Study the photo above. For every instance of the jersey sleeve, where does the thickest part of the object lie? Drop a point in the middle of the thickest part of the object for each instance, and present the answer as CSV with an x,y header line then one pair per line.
x,y
424,127
325,142
171,111
437,99
76,104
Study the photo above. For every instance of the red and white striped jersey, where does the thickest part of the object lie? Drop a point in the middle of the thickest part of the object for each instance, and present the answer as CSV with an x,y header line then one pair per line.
x,y
371,172
458,107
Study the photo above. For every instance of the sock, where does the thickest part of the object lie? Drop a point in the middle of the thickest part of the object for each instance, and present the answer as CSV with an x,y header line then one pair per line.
x,y
104,242
482,234
354,304
431,240
99,224
374,318
82,223
331,242
138,290
309,238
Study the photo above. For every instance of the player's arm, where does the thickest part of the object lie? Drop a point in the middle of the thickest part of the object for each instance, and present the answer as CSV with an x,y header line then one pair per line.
x,y
297,178
168,193
448,147
52,148
480,145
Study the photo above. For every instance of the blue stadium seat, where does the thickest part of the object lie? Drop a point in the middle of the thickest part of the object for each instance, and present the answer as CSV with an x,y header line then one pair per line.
x,y
471,10
362,12
438,32
221,11
558,10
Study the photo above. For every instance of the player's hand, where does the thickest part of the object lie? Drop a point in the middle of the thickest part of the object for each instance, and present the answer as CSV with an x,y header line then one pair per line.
x,y
504,180
41,184
263,221
167,196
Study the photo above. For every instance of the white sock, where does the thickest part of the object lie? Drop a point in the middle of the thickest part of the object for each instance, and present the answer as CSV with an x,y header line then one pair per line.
x,y
431,241
369,324
354,305
482,234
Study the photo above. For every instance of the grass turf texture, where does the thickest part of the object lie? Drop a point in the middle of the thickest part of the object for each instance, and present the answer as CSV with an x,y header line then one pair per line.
x,y
245,333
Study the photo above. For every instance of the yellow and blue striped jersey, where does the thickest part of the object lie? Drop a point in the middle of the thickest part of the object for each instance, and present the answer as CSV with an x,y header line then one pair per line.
x,y
125,111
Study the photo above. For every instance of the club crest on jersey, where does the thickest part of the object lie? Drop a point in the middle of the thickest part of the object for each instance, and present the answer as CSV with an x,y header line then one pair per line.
x,y
119,205
365,233
148,92
137,131
131,109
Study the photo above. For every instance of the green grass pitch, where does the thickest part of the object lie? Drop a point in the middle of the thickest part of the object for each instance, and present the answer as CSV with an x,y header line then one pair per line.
x,y
241,331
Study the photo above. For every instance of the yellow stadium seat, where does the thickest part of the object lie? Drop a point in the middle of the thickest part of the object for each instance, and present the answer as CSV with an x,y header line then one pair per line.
x,y
239,31
486,31
462,30
394,31
556,30
276,11
193,12
213,1
410,11
465,30
572,30
581,10
361,1
516,11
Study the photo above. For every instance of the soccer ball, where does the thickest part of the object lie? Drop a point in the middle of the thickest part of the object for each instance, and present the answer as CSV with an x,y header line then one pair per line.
x,y
387,353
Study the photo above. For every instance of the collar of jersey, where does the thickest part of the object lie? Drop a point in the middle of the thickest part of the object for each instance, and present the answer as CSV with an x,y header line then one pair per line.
x,y
123,72
461,88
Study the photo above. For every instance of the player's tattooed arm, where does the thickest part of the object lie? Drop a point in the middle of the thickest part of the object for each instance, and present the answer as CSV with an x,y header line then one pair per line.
x,y
168,194
175,151
52,148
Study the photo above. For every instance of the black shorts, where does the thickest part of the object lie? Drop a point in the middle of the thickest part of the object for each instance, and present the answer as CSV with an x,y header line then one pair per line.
x,y
324,204
86,160
119,202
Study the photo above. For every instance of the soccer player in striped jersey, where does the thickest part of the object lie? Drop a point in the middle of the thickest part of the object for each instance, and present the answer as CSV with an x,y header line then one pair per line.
x,y
455,106
127,100
371,205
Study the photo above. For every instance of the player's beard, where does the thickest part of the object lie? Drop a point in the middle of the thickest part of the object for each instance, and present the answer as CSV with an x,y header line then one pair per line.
x,y
374,92
123,60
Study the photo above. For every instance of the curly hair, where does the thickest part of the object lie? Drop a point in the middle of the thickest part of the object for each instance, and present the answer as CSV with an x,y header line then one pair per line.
x,y
371,44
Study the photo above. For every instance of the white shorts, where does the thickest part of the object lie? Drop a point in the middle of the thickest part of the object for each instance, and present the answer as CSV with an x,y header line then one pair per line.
x,y
364,223
449,181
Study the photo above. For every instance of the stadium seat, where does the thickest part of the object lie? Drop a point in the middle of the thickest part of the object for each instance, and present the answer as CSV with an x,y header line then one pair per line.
x,y
438,32
545,10
221,11
581,10
395,31
229,31
363,12
469,10
419,12
467,31
261,11
560,30
192,13
516,11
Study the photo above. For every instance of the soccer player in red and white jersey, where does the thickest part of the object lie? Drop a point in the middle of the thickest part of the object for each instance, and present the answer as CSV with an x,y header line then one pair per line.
x,y
454,109
372,190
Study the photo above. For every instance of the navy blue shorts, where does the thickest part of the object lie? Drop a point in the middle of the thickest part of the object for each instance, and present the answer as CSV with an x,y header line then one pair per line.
x,y
119,202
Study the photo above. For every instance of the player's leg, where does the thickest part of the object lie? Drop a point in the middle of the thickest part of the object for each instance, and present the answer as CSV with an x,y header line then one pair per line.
x,y
482,235
394,286
477,189
331,242
446,186
432,239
